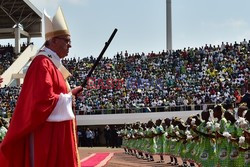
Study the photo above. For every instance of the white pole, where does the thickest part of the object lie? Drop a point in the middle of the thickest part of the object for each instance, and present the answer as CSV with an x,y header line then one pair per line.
x,y
169,24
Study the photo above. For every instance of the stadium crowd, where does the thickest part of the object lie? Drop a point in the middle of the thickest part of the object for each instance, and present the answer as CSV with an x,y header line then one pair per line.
x,y
7,57
192,76
164,80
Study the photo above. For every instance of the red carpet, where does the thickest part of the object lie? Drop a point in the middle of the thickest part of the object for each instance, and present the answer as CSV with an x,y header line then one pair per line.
x,y
96,160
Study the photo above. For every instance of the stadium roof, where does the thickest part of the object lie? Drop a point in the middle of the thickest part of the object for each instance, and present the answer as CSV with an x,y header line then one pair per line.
x,y
22,13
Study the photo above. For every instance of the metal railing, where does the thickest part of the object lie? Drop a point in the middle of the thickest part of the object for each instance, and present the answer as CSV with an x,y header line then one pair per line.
x,y
146,109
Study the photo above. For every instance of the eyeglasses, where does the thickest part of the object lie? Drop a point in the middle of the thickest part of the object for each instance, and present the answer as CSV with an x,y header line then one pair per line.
x,y
68,41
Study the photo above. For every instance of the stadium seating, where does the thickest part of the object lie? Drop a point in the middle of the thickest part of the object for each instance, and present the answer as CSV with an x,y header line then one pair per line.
x,y
178,80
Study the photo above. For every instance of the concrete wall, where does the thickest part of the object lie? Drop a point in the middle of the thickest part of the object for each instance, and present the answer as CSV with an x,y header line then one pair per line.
x,y
116,119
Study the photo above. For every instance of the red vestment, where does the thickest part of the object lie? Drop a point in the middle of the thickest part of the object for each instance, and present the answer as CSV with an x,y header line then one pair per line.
x,y
54,142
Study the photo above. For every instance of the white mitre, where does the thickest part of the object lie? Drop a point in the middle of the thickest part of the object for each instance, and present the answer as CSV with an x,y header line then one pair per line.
x,y
56,26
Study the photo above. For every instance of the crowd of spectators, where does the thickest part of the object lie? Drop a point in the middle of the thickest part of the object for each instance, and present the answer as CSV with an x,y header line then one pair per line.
x,y
191,76
7,57
8,99
8,95
4,125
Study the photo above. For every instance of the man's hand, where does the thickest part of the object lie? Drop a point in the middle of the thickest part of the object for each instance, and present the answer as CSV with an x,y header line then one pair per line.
x,y
77,91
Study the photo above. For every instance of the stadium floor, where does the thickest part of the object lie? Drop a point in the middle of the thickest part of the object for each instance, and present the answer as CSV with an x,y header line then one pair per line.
x,y
120,159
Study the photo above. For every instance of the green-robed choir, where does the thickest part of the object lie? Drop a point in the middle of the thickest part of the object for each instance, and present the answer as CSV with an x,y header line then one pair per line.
x,y
216,137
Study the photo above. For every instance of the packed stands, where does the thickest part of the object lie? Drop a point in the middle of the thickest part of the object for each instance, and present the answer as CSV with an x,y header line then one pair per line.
x,y
192,76
7,57
179,80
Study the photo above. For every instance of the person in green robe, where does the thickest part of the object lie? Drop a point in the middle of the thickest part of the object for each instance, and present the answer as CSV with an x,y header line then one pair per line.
x,y
129,139
191,141
173,141
220,125
207,151
183,142
139,144
244,139
142,143
192,145
160,139
168,132
123,134
233,145
151,145
133,139
195,152
145,141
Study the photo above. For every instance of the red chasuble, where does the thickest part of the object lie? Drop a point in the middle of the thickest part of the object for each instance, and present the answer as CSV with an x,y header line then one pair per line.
x,y
30,138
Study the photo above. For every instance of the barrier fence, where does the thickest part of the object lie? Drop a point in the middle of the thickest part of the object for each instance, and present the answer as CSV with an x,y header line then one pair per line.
x,y
146,109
